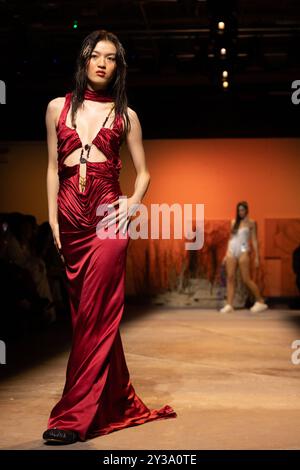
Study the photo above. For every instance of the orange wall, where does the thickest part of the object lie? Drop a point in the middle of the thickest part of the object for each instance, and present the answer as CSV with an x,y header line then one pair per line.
x,y
216,172
219,172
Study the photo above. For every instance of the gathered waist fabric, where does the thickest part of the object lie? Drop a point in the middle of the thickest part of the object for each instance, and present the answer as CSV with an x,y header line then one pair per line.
x,y
78,210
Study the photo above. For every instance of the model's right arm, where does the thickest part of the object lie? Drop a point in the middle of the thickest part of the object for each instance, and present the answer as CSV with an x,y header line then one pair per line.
x,y
52,173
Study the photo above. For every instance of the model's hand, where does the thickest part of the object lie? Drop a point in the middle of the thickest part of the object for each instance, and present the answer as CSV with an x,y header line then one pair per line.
x,y
123,215
256,261
224,259
56,238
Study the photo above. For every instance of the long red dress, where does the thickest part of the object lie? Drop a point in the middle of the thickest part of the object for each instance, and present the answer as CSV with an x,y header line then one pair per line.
x,y
98,397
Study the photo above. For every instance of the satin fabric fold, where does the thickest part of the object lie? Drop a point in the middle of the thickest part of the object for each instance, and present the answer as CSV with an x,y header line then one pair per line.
x,y
98,396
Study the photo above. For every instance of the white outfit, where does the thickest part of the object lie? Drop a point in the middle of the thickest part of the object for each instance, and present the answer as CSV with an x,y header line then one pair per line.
x,y
239,242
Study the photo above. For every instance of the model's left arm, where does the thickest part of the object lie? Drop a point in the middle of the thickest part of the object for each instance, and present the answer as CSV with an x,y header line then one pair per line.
x,y
254,242
135,146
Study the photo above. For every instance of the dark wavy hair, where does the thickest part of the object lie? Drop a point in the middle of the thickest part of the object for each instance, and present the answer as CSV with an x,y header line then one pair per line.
x,y
116,87
237,217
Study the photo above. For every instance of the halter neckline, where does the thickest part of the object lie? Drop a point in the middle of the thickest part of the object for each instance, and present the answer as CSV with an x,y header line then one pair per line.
x,y
98,95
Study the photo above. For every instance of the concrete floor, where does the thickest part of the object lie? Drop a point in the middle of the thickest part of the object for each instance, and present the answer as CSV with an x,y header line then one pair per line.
x,y
229,377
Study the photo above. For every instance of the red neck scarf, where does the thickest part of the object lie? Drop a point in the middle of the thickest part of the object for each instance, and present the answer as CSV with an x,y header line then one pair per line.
x,y
97,95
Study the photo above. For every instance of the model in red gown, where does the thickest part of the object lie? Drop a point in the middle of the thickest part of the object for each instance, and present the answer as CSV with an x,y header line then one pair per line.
x,y
98,396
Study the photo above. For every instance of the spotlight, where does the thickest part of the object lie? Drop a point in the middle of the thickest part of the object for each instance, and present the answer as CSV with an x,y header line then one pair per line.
x,y
222,46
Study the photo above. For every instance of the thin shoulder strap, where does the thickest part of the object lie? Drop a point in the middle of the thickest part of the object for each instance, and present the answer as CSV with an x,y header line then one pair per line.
x,y
111,110
66,107
64,111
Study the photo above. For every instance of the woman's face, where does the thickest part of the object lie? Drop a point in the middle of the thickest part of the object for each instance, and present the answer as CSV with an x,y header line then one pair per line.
x,y
242,212
102,65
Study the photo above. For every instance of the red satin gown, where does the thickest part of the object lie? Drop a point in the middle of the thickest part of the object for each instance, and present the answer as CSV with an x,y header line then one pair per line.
x,y
98,397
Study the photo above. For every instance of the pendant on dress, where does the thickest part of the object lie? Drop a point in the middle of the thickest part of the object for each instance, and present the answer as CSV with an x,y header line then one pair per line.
x,y
82,158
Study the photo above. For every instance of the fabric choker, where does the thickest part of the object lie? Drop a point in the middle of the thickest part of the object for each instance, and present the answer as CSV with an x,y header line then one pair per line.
x,y
97,95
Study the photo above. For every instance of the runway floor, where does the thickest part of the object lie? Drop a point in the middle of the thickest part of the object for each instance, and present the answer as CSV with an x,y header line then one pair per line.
x,y
229,377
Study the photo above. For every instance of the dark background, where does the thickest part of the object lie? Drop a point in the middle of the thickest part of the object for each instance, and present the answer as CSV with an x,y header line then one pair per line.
x,y
174,67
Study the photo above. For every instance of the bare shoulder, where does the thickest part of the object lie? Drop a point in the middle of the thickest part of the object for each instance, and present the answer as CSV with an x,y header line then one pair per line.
x,y
132,114
56,103
54,108
252,224
135,130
